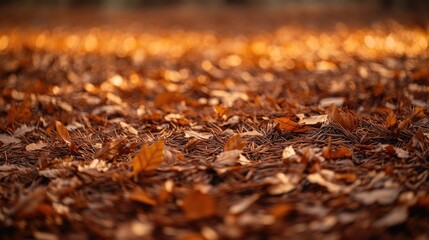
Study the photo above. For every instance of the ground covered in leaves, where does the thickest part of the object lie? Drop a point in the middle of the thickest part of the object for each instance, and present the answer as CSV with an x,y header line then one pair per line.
x,y
221,129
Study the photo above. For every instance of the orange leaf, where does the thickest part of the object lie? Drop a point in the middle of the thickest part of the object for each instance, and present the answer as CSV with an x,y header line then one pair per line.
x,y
340,152
288,125
221,111
198,205
141,196
391,120
149,158
168,98
236,142
62,131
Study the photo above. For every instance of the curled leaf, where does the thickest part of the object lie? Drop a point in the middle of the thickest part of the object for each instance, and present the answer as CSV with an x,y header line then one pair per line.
x,y
63,133
345,120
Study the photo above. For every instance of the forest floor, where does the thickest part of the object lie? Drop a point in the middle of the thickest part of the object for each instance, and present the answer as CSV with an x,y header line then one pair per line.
x,y
220,124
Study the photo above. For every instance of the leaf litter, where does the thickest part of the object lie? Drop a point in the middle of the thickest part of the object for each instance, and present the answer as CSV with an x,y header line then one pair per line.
x,y
293,133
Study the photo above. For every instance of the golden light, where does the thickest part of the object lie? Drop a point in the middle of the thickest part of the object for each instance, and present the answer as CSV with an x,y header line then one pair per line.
x,y
116,80
90,42
72,41
4,42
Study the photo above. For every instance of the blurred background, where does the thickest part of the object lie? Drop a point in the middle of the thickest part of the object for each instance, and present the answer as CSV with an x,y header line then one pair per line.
x,y
385,4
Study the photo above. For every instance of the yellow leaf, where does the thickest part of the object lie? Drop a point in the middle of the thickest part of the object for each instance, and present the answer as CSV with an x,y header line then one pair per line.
x,y
236,142
198,205
149,158
62,131
141,196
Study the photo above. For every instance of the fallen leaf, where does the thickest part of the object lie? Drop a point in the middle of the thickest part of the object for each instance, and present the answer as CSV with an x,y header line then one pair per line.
x,y
281,184
198,205
111,149
336,153
129,128
205,136
383,196
313,120
243,204
346,120
251,133
317,178
97,164
337,101
288,152
400,153
234,143
391,120
6,139
74,126
63,133
396,216
149,158
141,196
35,146
109,110
232,121
287,125
21,131
230,158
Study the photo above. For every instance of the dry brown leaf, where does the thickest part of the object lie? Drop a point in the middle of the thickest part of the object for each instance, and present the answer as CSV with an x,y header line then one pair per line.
x,y
21,131
141,196
243,204
339,152
236,142
35,146
396,216
198,135
149,158
314,120
129,128
383,196
198,205
346,120
6,139
111,149
337,101
63,133
281,183
391,120
287,125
